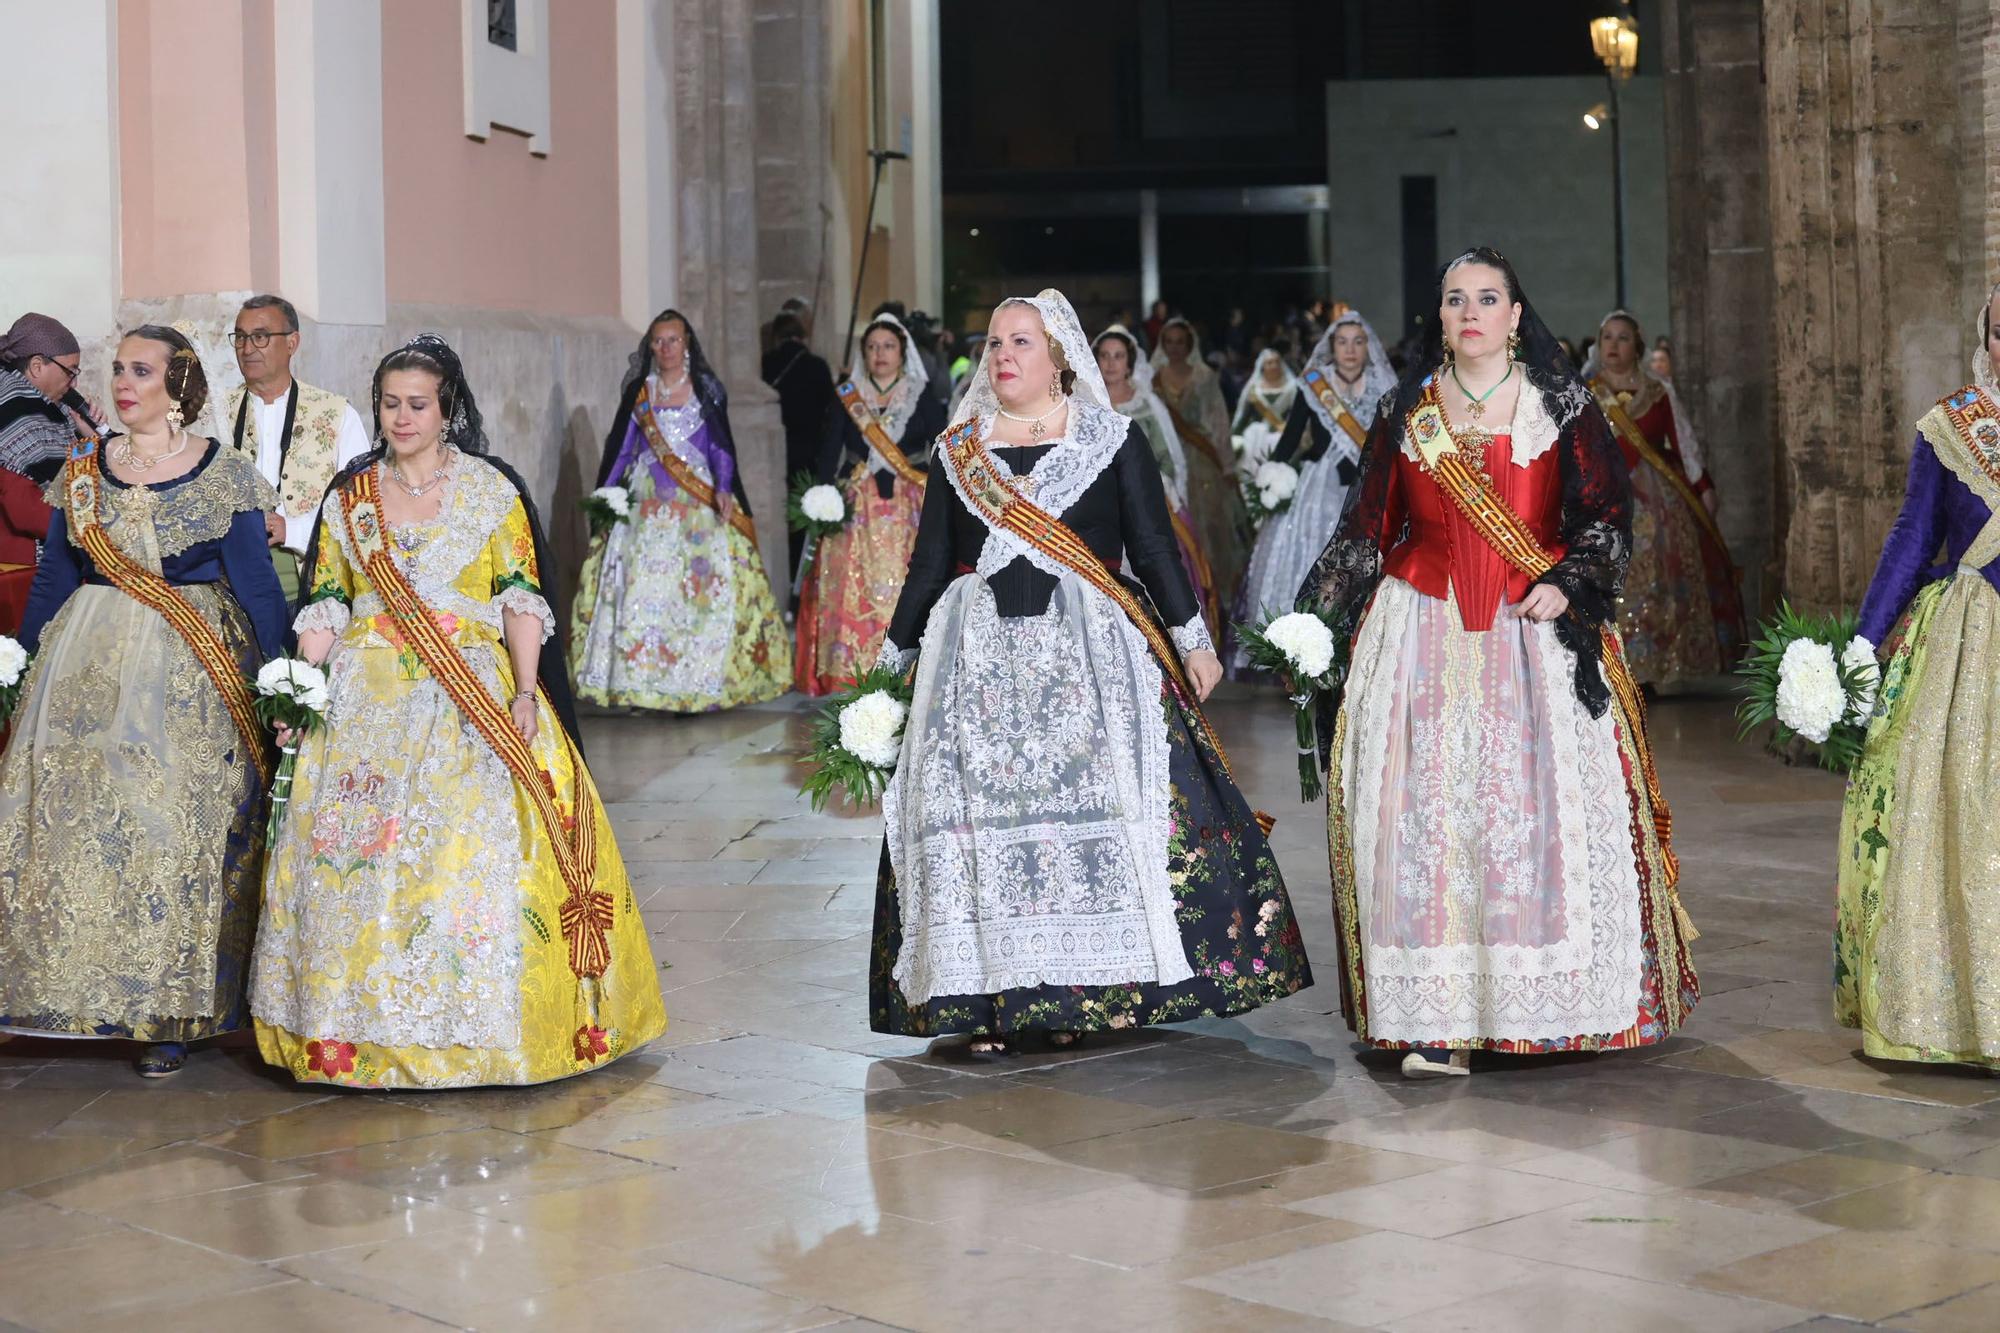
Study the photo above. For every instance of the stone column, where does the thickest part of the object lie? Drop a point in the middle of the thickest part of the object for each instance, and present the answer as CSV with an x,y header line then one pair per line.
x,y
1867,249
716,142
1978,52
1719,267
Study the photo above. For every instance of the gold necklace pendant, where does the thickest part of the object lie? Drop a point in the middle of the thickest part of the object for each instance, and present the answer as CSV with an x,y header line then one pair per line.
x,y
1474,407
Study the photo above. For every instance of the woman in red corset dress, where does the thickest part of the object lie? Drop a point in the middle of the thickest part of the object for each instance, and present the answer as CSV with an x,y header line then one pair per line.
x,y
1682,618
24,521
1501,869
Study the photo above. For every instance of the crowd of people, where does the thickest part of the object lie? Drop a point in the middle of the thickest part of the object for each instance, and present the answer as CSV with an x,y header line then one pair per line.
x,y
1053,540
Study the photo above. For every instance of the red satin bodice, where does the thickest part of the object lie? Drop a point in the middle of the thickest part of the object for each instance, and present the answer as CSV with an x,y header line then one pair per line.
x,y
1443,553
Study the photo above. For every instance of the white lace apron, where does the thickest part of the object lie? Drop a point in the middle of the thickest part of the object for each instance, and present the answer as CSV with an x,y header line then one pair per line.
x,y
1028,819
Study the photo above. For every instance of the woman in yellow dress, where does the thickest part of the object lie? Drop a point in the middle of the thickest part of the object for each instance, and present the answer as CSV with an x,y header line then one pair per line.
x,y
445,905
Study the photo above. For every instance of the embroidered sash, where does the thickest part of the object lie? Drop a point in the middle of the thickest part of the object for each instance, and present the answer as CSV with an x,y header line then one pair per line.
x,y
586,914
1964,430
1320,388
1265,410
683,475
1192,434
999,505
148,589
1628,431
1480,501
878,439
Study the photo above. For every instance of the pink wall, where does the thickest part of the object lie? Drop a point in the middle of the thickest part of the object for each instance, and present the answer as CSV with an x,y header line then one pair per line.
x,y
488,224
185,140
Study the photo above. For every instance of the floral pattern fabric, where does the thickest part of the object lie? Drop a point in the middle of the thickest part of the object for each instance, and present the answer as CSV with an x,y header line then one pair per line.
x,y
411,933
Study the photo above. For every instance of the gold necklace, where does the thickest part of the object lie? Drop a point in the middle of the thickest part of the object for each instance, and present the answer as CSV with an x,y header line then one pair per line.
x,y
126,456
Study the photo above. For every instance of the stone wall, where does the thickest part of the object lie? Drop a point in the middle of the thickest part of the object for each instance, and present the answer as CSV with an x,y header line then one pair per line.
x,y
1866,156
1719,267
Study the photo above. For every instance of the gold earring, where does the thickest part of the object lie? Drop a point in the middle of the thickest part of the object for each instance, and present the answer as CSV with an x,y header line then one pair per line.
x,y
1513,344
174,417
1447,354
1055,387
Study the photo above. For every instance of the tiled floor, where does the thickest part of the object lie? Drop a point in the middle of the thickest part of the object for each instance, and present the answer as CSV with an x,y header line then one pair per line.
x,y
773,1165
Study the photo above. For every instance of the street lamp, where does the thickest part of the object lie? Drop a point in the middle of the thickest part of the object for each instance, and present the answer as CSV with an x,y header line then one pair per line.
x,y
1615,39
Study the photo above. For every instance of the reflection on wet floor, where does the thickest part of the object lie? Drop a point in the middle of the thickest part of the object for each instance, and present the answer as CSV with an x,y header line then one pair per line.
x,y
771,1164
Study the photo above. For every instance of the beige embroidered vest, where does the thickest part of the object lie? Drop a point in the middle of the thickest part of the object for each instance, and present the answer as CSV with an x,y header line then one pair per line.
x,y
310,462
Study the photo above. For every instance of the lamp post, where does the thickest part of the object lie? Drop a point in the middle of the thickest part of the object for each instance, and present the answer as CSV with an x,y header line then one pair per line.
x,y
1615,38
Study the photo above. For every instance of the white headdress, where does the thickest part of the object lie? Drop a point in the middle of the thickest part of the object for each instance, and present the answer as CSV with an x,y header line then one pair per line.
x,y
219,368
1271,354
1143,397
1379,378
1200,367
909,390
1060,321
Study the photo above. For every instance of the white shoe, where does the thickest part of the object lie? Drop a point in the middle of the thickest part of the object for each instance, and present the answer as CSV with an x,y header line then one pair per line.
x,y
1416,1066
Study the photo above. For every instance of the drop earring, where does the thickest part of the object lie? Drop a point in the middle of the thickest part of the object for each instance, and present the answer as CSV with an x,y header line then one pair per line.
x,y
1513,344
175,417
1055,387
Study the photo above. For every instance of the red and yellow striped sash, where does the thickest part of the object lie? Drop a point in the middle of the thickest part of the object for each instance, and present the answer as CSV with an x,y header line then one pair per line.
x,y
586,914
1000,505
1476,497
148,589
871,430
1316,384
1264,409
1628,430
683,475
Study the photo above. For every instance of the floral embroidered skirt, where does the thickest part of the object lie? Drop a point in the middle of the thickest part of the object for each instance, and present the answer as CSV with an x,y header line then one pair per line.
x,y
674,612
131,830
1052,896
851,590
1917,936
1682,617
412,933
1497,880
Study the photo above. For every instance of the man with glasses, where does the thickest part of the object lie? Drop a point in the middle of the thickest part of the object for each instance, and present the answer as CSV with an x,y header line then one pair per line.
x,y
299,436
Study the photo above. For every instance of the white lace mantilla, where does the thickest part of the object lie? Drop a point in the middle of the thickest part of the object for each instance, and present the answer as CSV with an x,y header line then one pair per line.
x,y
1059,479
1028,819
1533,430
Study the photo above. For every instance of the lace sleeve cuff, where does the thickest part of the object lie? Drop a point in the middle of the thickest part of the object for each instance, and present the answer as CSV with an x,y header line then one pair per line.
x,y
328,613
894,658
1191,637
524,603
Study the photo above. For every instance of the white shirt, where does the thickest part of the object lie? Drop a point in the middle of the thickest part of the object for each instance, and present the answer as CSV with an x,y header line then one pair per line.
x,y
349,443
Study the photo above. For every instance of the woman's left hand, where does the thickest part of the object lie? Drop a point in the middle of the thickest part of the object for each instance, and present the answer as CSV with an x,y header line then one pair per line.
x,y
525,720
1204,670
1544,602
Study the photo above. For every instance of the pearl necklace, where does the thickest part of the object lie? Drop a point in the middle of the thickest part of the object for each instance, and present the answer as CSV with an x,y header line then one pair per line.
x,y
126,456
1036,428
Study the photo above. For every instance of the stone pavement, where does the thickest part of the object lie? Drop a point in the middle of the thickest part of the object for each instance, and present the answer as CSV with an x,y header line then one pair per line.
x,y
773,1165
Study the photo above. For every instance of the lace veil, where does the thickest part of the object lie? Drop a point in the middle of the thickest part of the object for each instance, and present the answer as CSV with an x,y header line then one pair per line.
x,y
909,390
1060,321
1378,379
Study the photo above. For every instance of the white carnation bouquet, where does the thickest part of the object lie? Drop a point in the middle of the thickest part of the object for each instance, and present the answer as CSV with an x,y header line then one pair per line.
x,y
1253,445
1299,648
857,739
815,508
1814,679
607,506
14,661
291,694
1268,490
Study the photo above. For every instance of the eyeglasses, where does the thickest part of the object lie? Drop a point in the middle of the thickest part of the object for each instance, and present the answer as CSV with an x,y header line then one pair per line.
x,y
70,371
256,337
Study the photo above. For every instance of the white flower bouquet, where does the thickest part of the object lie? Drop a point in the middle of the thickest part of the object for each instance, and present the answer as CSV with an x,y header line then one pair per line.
x,y
1268,491
291,694
607,506
1813,679
14,661
1254,445
857,739
815,508
1299,648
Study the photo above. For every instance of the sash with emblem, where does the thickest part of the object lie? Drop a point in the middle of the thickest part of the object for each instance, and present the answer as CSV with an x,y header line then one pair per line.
x,y
586,915
149,589
1472,492
878,439
1001,506
1635,439
684,476
1321,388
1265,410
